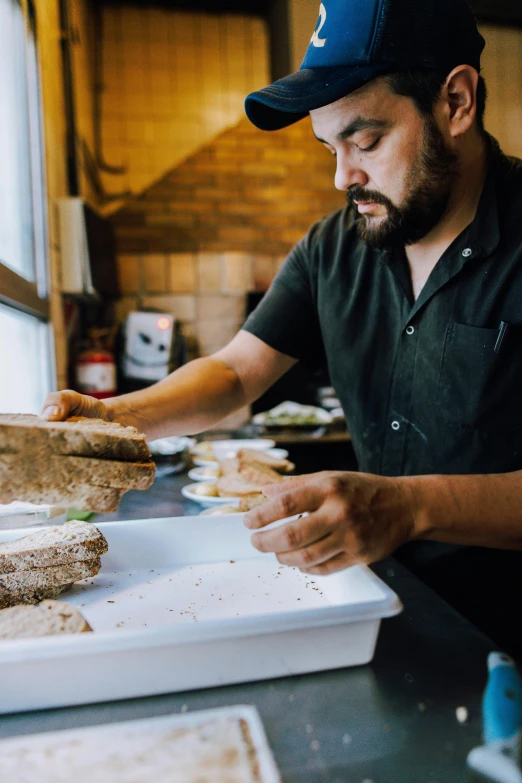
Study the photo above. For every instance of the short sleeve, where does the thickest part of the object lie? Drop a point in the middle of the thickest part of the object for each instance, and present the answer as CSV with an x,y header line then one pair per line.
x,y
286,318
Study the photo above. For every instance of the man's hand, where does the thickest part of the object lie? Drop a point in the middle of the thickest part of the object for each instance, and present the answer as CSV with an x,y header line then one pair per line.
x,y
352,518
59,406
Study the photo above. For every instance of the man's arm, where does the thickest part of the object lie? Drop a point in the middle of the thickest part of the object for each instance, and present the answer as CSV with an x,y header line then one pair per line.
x,y
478,510
191,399
361,518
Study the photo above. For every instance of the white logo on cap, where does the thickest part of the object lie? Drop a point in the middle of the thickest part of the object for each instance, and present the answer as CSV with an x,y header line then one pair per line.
x,y
315,40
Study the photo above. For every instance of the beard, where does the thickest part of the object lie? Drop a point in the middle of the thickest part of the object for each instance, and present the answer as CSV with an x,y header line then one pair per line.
x,y
428,191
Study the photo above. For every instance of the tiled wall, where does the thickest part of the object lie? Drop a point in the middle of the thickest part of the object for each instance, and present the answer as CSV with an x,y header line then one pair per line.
x,y
502,69
173,80
247,191
220,225
206,291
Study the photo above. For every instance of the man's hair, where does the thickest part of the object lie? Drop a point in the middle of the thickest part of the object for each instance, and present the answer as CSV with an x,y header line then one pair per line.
x,y
424,86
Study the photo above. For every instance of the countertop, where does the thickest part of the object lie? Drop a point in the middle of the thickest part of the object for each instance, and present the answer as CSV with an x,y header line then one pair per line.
x,y
393,721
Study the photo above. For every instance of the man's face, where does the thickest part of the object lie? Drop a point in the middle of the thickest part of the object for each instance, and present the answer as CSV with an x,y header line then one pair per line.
x,y
395,166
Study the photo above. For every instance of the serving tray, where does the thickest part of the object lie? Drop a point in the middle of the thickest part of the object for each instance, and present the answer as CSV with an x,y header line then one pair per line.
x,y
186,603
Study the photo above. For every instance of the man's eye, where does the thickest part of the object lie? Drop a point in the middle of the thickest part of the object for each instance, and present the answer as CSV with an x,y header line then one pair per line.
x,y
372,146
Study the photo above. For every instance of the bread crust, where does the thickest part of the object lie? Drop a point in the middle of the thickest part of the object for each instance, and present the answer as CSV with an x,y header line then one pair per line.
x,y
23,586
70,543
45,619
78,436
58,470
74,494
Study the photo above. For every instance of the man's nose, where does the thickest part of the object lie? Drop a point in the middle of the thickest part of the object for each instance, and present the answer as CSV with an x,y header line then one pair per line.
x,y
348,173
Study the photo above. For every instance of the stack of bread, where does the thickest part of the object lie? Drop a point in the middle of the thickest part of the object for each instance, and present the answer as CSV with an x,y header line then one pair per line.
x,y
79,463
45,564
244,477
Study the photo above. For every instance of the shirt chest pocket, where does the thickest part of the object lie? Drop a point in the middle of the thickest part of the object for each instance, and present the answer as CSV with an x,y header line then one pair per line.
x,y
479,389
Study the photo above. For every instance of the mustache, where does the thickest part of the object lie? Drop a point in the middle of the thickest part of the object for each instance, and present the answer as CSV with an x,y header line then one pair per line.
x,y
358,193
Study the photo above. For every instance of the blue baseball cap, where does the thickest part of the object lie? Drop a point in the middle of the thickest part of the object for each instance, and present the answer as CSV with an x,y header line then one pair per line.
x,y
357,40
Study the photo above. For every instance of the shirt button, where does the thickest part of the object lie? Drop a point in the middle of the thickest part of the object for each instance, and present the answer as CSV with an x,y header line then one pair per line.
x,y
410,330
395,425
467,252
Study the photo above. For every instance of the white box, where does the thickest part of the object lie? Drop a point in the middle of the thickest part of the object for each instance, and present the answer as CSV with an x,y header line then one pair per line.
x,y
186,603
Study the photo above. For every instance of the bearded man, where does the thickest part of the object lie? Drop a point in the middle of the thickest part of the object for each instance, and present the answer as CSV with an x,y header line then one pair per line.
x,y
411,294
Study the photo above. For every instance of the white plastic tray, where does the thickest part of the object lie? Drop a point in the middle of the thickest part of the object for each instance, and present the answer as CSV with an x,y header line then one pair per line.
x,y
186,603
158,749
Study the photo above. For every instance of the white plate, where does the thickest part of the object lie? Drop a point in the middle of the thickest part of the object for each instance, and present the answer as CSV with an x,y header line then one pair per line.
x,y
171,445
160,626
203,473
205,500
226,447
201,462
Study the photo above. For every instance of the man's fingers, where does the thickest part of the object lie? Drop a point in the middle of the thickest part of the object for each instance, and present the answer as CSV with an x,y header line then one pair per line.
x,y
337,563
59,406
287,504
271,490
317,553
294,535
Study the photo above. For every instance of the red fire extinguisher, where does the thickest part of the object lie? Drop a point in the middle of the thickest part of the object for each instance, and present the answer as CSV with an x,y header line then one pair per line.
x,y
96,369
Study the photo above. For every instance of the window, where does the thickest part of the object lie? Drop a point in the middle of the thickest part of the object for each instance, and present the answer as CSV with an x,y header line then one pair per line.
x,y
25,354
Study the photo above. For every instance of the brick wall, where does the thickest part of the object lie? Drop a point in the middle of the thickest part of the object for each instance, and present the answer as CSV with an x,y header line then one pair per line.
x,y
172,80
220,225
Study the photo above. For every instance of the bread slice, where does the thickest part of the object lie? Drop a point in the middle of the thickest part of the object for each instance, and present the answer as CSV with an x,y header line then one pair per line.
x,y
228,466
249,502
45,593
75,541
16,586
234,486
60,471
258,455
73,495
78,436
258,474
46,619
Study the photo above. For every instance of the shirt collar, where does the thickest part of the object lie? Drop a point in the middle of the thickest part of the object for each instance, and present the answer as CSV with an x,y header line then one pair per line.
x,y
482,236
479,240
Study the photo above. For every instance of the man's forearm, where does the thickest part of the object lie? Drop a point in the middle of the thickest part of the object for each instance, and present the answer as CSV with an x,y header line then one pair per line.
x,y
482,510
190,400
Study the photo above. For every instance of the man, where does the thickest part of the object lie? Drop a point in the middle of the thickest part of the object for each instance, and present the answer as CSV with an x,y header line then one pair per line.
x,y
412,294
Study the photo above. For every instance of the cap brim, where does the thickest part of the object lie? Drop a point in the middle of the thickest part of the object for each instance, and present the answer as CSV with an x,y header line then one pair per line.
x,y
292,98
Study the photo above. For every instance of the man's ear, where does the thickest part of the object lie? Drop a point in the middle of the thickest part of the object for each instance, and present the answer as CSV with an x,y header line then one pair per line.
x,y
460,98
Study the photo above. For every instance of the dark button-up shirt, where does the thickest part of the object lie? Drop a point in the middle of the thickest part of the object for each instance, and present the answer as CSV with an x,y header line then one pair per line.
x,y
426,385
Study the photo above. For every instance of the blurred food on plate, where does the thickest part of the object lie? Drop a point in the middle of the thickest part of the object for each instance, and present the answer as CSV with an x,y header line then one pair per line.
x,y
293,414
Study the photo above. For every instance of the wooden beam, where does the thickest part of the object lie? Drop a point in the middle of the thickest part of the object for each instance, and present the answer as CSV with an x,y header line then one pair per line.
x,y
22,294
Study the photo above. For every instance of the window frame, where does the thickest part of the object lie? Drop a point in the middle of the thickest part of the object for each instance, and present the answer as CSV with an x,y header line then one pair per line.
x,y
17,292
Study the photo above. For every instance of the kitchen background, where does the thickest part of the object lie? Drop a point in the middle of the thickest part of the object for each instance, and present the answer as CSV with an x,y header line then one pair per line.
x,y
195,209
